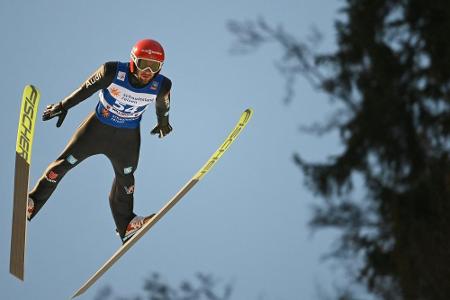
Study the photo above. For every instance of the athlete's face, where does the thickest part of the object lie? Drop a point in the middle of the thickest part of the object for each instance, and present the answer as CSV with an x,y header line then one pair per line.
x,y
145,76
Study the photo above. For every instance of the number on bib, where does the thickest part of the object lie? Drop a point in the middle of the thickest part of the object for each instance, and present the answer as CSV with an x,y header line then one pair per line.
x,y
120,107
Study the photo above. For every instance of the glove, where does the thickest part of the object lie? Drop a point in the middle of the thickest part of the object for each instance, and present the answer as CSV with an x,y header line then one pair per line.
x,y
163,128
55,110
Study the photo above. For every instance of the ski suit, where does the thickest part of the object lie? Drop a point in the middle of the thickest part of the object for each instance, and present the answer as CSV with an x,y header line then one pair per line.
x,y
113,130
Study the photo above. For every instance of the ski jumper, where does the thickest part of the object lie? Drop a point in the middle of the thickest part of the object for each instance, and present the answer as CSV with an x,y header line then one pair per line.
x,y
112,130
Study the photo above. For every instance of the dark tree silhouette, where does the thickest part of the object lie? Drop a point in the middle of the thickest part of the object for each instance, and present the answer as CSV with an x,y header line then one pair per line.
x,y
390,80
203,287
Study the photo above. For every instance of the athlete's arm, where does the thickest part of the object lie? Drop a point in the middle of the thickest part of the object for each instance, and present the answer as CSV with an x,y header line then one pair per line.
x,y
162,105
100,79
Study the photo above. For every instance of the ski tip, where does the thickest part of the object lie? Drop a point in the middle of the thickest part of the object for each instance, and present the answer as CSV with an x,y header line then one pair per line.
x,y
248,113
32,87
249,110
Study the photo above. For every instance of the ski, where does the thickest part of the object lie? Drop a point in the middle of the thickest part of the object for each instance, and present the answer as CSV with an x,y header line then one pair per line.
x,y
25,133
245,117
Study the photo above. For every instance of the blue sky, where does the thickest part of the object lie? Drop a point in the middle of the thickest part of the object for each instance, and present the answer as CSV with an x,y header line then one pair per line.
x,y
246,222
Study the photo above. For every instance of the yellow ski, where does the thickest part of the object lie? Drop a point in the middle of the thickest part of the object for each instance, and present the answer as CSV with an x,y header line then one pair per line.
x,y
25,134
245,117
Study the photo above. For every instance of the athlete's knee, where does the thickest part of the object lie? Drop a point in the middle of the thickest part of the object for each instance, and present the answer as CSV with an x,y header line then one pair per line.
x,y
127,171
71,160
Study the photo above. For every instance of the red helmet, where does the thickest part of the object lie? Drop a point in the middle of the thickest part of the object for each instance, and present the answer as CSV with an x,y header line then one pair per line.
x,y
147,54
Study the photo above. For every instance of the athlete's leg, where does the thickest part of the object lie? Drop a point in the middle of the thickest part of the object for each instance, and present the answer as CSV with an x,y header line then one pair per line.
x,y
124,158
82,145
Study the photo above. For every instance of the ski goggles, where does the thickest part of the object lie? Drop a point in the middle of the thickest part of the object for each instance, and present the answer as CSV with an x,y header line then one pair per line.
x,y
147,64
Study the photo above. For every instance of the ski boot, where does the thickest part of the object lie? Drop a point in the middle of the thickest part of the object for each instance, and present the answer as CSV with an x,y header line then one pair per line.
x,y
135,224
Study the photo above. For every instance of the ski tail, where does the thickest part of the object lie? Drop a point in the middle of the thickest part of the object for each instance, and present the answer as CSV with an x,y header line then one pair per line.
x,y
24,144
